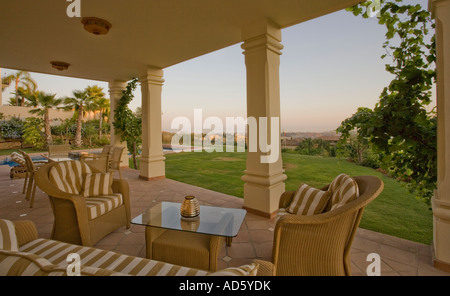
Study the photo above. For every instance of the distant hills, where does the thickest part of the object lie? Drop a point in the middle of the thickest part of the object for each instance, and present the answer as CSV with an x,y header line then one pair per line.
x,y
329,135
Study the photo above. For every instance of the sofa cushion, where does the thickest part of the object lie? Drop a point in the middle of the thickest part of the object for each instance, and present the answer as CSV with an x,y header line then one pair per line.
x,y
99,205
28,264
8,237
244,270
343,189
97,184
57,252
308,201
68,175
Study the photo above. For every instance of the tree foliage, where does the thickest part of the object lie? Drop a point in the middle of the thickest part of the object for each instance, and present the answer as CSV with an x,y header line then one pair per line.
x,y
400,127
32,133
128,124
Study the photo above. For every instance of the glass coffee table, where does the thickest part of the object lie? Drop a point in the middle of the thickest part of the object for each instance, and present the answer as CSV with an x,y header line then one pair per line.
x,y
193,242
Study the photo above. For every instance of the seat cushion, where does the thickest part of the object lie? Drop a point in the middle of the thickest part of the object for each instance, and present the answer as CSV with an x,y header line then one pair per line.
x,y
343,189
308,201
68,175
99,205
8,237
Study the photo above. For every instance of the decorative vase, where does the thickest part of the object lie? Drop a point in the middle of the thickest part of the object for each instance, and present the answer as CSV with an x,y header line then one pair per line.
x,y
190,207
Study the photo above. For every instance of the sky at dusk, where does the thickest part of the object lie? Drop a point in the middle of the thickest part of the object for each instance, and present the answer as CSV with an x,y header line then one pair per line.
x,y
330,66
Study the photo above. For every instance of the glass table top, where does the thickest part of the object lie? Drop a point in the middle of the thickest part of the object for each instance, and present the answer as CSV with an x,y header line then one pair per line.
x,y
212,220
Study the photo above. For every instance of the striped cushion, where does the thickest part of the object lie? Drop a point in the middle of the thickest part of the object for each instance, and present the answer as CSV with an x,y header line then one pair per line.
x,y
308,201
67,175
16,157
28,264
57,252
96,184
99,205
244,270
8,238
343,189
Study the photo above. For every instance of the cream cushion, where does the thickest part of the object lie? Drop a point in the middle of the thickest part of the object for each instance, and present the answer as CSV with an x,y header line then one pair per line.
x,y
99,205
16,157
68,175
244,270
97,184
308,201
8,237
343,189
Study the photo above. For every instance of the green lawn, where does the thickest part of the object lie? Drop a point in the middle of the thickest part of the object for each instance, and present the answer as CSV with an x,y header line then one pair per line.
x,y
395,212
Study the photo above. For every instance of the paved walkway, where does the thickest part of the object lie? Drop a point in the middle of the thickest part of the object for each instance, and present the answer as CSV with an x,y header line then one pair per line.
x,y
399,256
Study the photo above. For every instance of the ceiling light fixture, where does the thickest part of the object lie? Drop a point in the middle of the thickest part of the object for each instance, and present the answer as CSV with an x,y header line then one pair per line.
x,y
96,25
60,66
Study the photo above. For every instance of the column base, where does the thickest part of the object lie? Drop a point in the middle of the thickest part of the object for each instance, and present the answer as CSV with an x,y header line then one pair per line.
x,y
441,233
441,265
152,168
262,194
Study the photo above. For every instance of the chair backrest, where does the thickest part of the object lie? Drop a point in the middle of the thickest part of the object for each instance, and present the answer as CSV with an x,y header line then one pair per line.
x,y
28,161
67,176
320,244
58,150
18,157
116,156
106,149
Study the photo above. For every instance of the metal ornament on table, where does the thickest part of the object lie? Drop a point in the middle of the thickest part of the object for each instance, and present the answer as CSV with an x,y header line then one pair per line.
x,y
190,208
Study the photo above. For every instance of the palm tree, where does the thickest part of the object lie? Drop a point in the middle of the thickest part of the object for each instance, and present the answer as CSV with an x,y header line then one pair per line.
x,y
23,80
103,105
80,100
42,102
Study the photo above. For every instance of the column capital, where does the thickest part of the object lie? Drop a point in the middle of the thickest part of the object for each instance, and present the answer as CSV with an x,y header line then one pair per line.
x,y
264,41
263,34
153,76
434,4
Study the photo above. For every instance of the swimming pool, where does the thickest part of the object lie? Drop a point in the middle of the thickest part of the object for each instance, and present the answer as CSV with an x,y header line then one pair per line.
x,y
11,163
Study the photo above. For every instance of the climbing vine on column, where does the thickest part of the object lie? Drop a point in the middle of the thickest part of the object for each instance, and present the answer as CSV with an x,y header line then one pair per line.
x,y
126,123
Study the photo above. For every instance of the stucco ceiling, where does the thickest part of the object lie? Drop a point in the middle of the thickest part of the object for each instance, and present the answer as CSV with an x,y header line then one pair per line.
x,y
158,33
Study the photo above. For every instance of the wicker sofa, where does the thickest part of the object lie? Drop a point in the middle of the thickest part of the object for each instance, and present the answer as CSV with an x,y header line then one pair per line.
x,y
22,253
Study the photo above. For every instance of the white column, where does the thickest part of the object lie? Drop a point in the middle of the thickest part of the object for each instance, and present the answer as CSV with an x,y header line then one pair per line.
x,y
441,199
152,165
263,181
116,89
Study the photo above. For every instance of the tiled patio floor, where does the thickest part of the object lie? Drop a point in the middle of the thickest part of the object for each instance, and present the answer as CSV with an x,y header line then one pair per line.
x,y
399,256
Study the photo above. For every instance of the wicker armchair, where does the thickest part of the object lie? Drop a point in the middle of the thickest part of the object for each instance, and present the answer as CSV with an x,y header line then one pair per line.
x,y
73,212
320,244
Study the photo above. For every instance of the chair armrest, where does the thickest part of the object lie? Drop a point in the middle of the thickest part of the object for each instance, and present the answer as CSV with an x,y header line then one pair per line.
x,y
25,231
266,268
122,186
